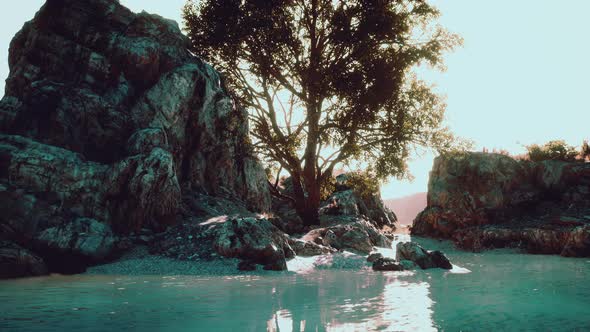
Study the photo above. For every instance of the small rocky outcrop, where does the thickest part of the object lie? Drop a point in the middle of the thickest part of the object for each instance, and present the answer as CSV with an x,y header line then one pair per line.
x,y
348,233
413,252
108,117
255,240
483,200
346,200
387,264
16,262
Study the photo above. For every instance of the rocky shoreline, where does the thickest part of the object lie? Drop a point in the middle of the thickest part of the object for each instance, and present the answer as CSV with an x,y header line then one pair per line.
x,y
485,200
117,141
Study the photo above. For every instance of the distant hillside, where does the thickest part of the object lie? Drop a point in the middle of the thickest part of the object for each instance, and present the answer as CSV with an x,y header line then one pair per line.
x,y
406,208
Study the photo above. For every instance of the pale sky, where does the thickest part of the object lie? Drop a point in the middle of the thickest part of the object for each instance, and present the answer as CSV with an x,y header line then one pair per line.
x,y
521,77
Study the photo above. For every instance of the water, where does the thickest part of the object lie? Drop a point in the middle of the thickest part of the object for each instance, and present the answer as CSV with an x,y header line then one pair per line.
x,y
492,291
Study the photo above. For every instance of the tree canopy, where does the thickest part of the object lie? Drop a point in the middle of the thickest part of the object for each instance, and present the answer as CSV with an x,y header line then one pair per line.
x,y
328,81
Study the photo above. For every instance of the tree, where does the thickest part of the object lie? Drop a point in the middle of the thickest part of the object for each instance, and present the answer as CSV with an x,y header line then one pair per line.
x,y
328,81
552,150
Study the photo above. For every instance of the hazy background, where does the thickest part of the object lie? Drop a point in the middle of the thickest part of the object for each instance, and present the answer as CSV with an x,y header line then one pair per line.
x,y
522,76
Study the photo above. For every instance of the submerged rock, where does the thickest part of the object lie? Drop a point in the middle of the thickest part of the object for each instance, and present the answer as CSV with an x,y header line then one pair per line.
x,y
374,257
387,264
413,252
16,262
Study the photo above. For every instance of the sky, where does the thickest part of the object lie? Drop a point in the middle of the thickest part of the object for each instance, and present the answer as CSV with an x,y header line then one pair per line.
x,y
521,77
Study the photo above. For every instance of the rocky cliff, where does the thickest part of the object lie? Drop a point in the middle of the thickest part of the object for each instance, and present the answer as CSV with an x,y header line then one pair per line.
x,y
107,125
485,200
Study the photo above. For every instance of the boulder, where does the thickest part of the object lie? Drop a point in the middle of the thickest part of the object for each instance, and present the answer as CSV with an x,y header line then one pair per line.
x,y
108,119
309,248
374,257
73,246
348,233
346,200
253,239
413,252
387,264
16,262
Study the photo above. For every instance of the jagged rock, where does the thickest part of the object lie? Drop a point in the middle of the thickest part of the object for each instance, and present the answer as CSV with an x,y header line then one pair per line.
x,y
253,239
387,264
374,256
122,93
16,262
346,201
407,265
107,115
412,251
578,242
485,200
308,248
247,266
348,233
73,246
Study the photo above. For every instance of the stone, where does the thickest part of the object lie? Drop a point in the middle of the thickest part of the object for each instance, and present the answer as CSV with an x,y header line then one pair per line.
x,y
252,239
413,252
73,246
407,265
247,266
483,200
16,262
108,119
374,256
309,248
387,264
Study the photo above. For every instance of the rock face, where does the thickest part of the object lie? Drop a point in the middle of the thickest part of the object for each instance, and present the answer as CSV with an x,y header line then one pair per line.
x,y
347,201
489,200
16,261
107,116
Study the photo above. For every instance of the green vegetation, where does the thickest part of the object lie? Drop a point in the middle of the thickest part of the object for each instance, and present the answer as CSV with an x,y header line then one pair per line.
x,y
362,183
552,150
328,82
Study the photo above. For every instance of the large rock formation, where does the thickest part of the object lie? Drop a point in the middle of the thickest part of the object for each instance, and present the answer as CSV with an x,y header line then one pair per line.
x,y
108,117
490,200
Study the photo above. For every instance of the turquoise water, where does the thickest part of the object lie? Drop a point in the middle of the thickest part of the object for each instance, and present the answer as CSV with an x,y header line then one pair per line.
x,y
492,291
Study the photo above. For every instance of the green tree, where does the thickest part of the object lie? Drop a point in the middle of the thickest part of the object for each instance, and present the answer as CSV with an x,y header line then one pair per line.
x,y
552,150
327,82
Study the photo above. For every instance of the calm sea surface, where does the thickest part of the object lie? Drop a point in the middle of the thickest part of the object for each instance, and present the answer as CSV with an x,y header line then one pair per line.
x,y
491,291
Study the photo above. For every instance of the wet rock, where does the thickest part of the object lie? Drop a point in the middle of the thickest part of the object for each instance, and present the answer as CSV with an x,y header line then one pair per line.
x,y
407,265
73,246
440,260
253,239
578,243
387,264
413,252
308,248
483,200
247,266
348,233
374,257
16,262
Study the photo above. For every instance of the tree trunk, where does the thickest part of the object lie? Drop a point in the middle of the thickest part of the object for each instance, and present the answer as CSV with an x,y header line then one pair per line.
x,y
307,201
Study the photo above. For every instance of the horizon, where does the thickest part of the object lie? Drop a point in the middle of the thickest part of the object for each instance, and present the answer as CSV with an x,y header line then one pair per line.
x,y
510,85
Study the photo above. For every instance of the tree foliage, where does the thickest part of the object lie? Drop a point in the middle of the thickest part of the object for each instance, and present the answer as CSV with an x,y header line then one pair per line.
x,y
552,150
328,81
